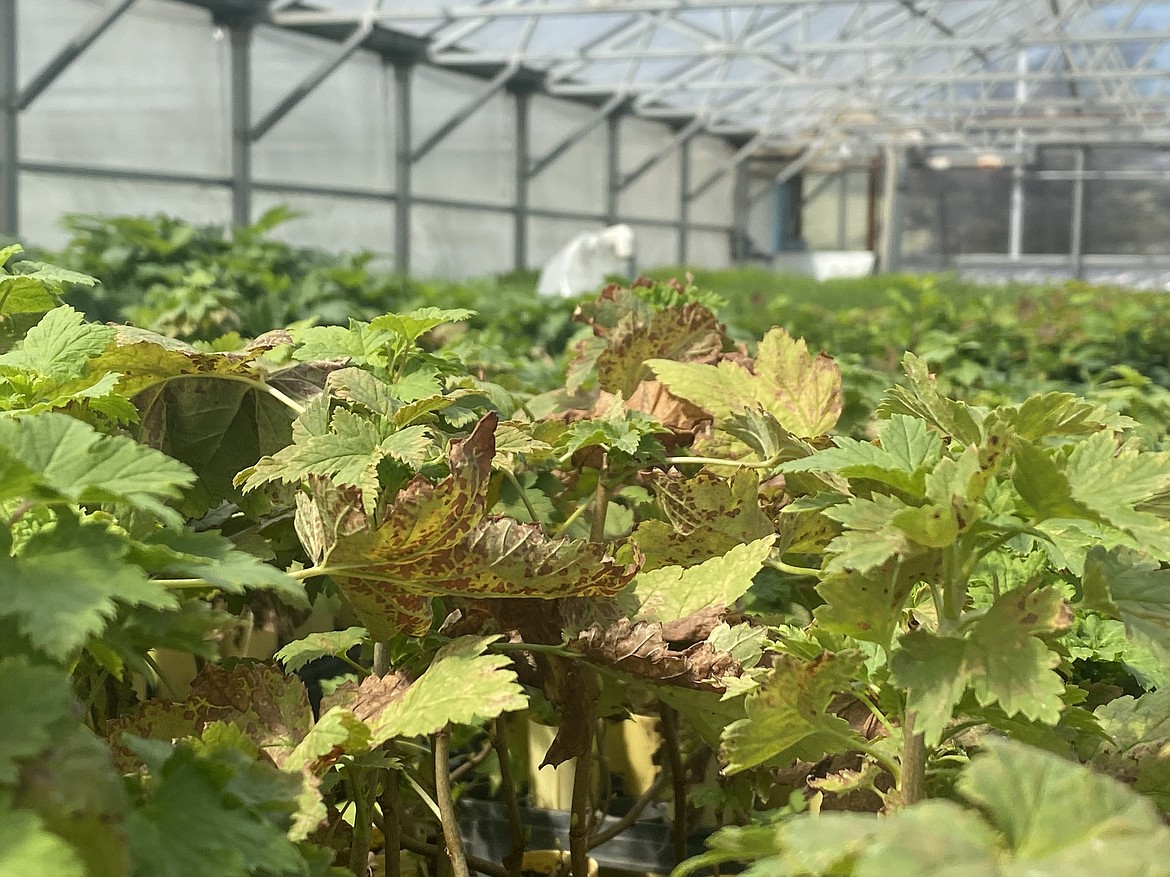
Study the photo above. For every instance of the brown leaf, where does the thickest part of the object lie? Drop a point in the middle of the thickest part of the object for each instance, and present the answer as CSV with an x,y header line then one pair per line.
x,y
270,708
687,334
694,628
370,699
639,648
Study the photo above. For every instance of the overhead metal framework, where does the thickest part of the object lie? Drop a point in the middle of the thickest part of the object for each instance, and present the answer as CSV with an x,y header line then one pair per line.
x,y
866,74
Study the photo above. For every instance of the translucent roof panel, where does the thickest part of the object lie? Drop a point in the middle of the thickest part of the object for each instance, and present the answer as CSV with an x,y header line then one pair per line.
x,y
793,73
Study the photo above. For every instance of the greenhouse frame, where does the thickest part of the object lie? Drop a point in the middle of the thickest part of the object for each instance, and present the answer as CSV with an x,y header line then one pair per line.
x,y
1018,138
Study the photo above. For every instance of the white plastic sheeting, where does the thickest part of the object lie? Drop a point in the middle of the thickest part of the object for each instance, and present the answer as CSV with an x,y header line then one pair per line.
x,y
153,94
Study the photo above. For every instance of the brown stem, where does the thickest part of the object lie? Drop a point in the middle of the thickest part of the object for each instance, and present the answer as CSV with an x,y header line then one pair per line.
x,y
600,506
631,816
454,843
580,824
359,852
483,866
912,787
471,763
678,780
392,825
515,859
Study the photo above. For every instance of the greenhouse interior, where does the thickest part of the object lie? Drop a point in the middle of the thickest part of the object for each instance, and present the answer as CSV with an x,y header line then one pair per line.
x,y
584,438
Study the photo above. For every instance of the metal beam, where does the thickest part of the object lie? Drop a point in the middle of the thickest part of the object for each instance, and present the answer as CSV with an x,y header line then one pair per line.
x,y
403,122
520,216
891,230
685,134
465,112
684,200
574,136
240,49
613,166
69,53
743,154
1076,233
307,85
9,124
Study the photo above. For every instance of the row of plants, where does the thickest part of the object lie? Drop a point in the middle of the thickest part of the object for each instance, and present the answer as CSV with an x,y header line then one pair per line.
x,y
214,286
937,648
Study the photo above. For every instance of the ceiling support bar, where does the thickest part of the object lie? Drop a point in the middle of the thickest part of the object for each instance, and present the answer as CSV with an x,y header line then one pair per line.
x,y
465,112
69,53
403,155
306,86
684,135
240,49
684,200
523,177
9,124
573,137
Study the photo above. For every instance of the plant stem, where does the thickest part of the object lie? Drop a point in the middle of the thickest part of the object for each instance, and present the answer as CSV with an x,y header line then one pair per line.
x,y
422,793
577,512
422,848
793,570
580,826
162,677
678,780
631,816
381,659
471,763
515,858
877,713
515,482
912,783
391,825
451,838
276,394
359,852
600,507
716,461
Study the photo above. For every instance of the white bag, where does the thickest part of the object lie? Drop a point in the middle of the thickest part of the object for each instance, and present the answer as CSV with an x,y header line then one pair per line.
x,y
583,264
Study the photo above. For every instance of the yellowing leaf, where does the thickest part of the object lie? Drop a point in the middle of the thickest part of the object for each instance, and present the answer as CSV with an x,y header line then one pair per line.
x,y
672,592
802,391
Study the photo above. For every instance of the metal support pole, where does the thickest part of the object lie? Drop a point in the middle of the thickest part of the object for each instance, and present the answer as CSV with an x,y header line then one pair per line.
x,y
842,208
70,52
240,41
520,227
613,166
891,231
403,121
9,124
1016,215
1076,241
574,137
740,214
497,84
684,199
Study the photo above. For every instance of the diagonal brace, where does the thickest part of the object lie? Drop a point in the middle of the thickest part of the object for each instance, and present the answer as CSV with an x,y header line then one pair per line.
x,y
685,134
603,112
745,152
461,115
69,53
304,88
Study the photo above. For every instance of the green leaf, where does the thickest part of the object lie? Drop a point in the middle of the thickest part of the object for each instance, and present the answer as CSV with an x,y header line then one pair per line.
x,y
1060,818
33,700
462,686
871,537
922,399
80,465
219,816
1114,482
67,584
297,654
931,670
417,323
214,558
337,732
60,345
28,850
1133,589
672,592
802,391
867,606
908,450
788,714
